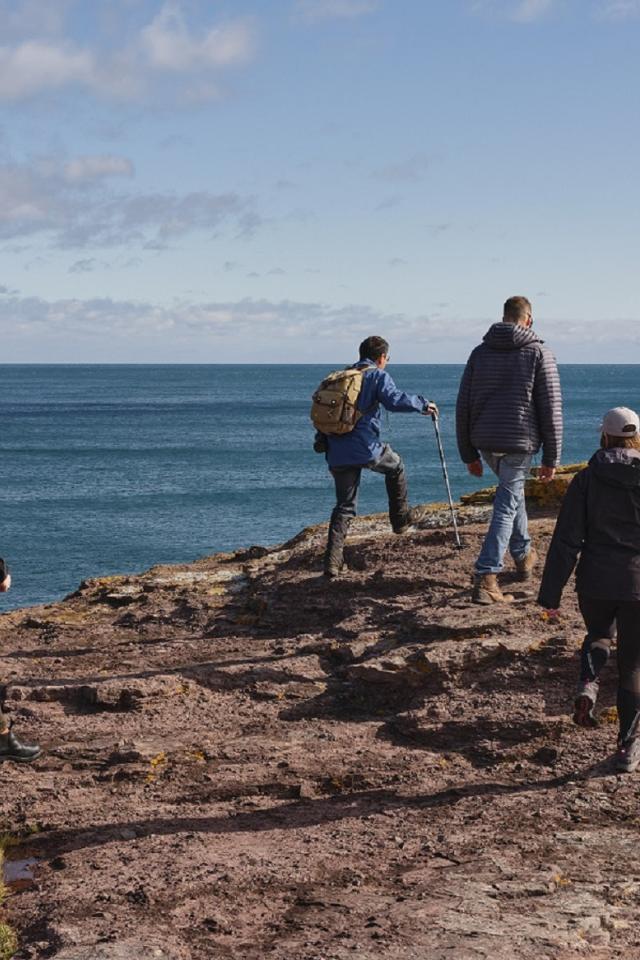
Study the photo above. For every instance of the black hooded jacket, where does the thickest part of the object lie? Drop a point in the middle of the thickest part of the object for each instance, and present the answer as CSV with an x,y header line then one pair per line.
x,y
600,520
509,399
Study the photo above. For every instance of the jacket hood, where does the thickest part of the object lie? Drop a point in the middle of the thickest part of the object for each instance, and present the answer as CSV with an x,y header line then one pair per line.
x,y
509,336
618,467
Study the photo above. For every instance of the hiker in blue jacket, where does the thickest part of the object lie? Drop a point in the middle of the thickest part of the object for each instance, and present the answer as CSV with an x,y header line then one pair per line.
x,y
349,453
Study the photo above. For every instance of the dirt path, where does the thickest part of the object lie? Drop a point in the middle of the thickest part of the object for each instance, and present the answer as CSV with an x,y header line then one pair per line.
x,y
245,761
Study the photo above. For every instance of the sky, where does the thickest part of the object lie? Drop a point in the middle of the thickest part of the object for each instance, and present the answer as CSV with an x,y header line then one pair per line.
x,y
273,180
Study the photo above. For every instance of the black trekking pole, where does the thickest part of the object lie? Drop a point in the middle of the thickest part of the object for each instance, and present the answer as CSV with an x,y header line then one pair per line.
x,y
434,417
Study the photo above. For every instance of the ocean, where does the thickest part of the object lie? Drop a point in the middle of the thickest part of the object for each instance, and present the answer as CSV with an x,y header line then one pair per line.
x,y
111,469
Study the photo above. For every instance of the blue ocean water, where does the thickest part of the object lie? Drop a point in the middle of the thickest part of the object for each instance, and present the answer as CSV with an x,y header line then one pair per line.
x,y
110,469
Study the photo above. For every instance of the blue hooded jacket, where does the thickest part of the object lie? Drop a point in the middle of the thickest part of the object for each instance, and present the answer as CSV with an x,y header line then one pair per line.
x,y
363,445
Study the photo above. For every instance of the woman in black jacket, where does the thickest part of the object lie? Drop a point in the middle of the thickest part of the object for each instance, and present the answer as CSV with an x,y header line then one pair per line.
x,y
600,520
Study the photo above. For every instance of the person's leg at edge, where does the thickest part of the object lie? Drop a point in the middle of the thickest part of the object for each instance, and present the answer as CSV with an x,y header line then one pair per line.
x,y
347,481
10,747
628,650
508,522
390,465
600,620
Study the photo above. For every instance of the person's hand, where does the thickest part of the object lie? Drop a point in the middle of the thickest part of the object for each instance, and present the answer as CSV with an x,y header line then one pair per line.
x,y
430,409
6,583
546,474
475,468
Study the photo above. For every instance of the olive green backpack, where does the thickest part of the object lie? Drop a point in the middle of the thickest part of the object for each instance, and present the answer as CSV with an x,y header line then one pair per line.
x,y
334,409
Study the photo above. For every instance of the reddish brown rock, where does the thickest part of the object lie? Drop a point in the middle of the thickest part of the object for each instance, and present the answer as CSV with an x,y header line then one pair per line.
x,y
245,761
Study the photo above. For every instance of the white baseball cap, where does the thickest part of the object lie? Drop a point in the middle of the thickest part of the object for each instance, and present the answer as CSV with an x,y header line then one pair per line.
x,y
621,422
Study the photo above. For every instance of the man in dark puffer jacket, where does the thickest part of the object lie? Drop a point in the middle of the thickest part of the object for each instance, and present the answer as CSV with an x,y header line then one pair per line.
x,y
600,520
509,405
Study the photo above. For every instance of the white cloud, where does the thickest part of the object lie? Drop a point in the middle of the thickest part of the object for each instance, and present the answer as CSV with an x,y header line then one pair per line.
x,y
69,202
168,44
314,10
618,9
165,47
255,321
38,65
33,18
247,320
520,11
99,167
529,10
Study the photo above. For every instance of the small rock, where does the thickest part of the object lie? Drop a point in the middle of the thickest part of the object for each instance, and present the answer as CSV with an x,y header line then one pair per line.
x,y
304,790
547,755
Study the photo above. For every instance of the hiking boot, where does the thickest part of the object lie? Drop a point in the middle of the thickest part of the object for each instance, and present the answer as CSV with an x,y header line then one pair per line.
x,y
584,704
333,561
13,749
628,755
409,520
486,590
403,526
524,566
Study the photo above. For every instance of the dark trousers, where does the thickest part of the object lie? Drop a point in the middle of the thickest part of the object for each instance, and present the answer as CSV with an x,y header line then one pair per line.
x,y
603,619
347,481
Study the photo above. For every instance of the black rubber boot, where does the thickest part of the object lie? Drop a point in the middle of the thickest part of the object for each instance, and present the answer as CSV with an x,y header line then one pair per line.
x,y
334,554
398,494
13,749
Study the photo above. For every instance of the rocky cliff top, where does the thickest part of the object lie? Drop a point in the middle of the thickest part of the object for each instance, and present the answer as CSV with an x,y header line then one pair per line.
x,y
244,760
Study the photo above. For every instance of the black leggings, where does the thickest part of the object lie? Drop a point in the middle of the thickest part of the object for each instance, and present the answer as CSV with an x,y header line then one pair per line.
x,y
603,619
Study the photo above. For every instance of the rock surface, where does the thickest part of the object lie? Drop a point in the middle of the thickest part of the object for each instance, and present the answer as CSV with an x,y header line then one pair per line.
x,y
245,761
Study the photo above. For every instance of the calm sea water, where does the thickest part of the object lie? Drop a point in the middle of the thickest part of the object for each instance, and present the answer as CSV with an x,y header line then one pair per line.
x,y
110,469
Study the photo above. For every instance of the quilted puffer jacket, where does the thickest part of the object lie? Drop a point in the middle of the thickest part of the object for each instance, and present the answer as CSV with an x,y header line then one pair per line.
x,y
509,399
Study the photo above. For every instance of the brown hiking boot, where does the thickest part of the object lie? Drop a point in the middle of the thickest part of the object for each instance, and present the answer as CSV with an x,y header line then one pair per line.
x,y
486,590
524,567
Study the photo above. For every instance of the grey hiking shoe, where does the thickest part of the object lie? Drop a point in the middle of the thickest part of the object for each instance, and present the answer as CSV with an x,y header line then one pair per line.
x,y
628,755
486,590
584,704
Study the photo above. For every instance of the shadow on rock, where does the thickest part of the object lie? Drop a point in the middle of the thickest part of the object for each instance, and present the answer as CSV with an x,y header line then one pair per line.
x,y
482,741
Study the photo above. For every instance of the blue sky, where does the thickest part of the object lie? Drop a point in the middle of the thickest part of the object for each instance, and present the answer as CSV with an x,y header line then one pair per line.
x,y
272,181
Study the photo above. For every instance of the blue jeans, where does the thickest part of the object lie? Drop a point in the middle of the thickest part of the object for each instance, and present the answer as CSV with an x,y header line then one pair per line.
x,y
508,527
